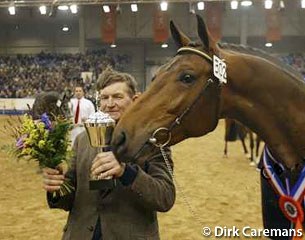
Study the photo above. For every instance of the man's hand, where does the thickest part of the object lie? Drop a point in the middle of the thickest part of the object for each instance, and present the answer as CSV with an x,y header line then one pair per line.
x,y
105,165
52,179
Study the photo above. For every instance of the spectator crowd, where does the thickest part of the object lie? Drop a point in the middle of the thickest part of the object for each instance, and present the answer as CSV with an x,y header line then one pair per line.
x,y
297,61
24,76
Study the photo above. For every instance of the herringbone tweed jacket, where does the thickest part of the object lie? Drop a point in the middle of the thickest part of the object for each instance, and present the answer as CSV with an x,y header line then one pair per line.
x,y
127,212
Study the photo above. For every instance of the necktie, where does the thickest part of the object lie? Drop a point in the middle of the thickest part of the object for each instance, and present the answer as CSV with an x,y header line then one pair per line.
x,y
76,113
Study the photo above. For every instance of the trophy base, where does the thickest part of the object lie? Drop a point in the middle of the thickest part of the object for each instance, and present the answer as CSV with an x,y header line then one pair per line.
x,y
102,184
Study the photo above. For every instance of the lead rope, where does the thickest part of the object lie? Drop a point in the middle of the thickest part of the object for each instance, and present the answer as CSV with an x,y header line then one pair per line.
x,y
179,188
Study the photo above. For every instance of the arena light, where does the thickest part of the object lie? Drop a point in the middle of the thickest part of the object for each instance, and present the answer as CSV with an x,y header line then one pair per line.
x,y
246,3
73,8
163,6
282,4
106,8
268,44
113,45
302,3
268,4
234,4
12,10
63,8
134,7
191,8
43,10
53,11
200,6
164,45
65,29
118,9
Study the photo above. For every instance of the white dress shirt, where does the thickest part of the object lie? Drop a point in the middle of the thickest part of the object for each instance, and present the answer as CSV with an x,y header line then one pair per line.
x,y
86,108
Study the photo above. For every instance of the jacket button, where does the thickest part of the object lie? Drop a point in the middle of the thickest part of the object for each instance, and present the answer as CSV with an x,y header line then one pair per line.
x,y
90,228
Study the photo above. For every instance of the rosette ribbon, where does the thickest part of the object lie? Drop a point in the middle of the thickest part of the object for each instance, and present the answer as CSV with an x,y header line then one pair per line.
x,y
290,202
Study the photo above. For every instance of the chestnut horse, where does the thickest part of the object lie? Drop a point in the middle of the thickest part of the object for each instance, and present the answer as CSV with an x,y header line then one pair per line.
x,y
186,100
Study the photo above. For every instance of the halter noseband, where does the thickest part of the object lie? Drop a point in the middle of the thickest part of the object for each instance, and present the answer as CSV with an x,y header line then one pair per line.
x,y
153,139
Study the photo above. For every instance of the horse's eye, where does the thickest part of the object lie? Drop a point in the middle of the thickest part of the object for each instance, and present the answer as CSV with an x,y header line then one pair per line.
x,y
187,78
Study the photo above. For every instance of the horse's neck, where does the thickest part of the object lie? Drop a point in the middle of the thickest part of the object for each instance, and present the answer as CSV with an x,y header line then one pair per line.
x,y
269,102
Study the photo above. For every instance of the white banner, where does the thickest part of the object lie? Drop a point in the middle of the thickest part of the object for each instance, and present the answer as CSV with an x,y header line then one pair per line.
x,y
20,104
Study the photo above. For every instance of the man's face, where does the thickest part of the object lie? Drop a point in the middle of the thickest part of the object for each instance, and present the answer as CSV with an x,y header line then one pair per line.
x,y
79,92
115,99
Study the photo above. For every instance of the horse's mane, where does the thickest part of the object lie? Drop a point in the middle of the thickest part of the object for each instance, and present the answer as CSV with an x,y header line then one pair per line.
x,y
260,53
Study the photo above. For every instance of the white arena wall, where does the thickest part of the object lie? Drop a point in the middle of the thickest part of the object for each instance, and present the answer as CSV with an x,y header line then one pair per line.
x,y
15,105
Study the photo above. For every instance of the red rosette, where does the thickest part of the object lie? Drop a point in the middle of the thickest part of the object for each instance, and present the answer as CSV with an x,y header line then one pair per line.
x,y
292,209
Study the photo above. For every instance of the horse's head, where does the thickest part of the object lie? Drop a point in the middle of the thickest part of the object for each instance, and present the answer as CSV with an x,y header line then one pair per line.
x,y
52,103
183,100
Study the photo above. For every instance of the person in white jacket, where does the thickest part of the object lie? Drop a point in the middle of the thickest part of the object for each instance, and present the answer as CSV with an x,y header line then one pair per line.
x,y
82,108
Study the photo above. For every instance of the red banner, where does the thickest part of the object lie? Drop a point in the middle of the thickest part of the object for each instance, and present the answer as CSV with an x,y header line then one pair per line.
x,y
160,26
108,27
273,25
214,19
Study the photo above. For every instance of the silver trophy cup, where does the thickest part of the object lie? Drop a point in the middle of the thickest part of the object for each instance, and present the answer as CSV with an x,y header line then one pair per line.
x,y
99,127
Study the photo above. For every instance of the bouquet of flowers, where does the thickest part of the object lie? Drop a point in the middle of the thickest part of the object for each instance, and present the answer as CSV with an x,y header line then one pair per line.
x,y
45,141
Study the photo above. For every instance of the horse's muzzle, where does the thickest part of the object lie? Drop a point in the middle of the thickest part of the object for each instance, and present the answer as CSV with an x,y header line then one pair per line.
x,y
119,145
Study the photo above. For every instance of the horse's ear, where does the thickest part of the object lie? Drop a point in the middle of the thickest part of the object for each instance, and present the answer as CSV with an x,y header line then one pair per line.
x,y
204,34
202,31
179,38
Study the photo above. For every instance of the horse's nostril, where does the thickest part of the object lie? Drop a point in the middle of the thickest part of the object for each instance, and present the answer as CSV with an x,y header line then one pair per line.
x,y
119,145
119,142
121,139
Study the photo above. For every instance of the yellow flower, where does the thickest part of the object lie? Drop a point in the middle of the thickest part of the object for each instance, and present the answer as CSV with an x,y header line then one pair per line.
x,y
49,147
41,144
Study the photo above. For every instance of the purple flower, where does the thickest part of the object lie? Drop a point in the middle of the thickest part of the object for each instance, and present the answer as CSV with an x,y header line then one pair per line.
x,y
46,120
20,142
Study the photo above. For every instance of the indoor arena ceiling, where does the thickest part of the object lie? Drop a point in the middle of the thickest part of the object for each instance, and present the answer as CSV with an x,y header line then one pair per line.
x,y
30,3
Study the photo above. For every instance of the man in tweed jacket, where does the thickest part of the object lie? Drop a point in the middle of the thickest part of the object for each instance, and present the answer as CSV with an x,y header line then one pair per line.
x,y
129,212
